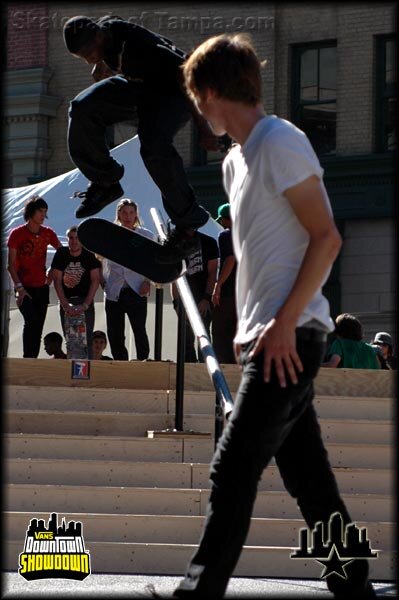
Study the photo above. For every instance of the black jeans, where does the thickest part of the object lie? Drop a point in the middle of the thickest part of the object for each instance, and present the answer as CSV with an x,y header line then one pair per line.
x,y
135,307
267,421
89,318
161,115
34,312
224,325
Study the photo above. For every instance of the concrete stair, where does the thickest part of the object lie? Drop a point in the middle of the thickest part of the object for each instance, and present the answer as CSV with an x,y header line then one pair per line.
x,y
80,449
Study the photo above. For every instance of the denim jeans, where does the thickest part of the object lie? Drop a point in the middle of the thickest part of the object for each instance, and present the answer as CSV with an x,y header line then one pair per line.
x,y
160,116
34,312
135,307
267,421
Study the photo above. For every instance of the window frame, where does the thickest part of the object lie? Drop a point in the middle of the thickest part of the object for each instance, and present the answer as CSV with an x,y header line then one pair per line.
x,y
380,93
296,103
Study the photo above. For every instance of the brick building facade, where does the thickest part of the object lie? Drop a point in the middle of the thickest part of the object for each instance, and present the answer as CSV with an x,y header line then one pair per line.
x,y
354,42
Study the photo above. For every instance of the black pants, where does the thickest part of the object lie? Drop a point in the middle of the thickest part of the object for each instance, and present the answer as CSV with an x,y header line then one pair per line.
x,y
135,307
192,351
34,312
161,115
267,421
224,324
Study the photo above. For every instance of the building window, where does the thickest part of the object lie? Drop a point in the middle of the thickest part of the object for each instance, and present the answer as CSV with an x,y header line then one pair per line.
x,y
386,105
314,93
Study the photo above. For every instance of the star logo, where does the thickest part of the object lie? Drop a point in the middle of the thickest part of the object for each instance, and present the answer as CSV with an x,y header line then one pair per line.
x,y
346,543
334,564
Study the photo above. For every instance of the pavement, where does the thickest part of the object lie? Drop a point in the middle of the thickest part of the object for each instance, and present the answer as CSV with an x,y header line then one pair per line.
x,y
143,586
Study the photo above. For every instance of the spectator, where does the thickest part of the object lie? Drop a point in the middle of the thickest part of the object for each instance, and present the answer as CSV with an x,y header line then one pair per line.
x,y
201,278
76,273
348,351
384,341
379,354
224,318
53,345
99,345
27,252
126,292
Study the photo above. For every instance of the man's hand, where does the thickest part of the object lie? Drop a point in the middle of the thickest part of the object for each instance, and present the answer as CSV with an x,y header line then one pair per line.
x,y
204,306
101,71
145,288
278,342
237,351
20,295
216,294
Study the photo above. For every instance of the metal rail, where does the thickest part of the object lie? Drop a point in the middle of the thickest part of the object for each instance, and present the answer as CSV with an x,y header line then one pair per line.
x,y
224,404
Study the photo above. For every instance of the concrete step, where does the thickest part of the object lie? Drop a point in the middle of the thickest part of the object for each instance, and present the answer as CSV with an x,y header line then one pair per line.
x,y
168,475
158,401
115,499
178,529
172,559
136,424
171,449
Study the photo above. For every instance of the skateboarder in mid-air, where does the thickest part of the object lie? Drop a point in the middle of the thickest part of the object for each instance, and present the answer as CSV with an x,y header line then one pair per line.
x,y
135,70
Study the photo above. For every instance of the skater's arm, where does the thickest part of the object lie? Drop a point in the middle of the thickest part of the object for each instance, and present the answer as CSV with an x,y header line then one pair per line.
x,y
20,291
101,71
333,362
309,202
224,274
204,304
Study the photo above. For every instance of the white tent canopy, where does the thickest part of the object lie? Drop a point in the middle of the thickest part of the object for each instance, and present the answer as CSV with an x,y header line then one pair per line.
x,y
136,182
138,186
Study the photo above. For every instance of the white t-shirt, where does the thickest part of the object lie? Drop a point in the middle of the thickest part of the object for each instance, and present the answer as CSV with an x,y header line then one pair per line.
x,y
269,241
116,276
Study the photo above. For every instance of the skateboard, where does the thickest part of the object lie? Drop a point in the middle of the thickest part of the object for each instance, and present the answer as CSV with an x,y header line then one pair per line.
x,y
127,248
75,335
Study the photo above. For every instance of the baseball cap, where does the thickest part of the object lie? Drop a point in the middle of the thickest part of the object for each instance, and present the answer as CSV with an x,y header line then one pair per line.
x,y
99,334
223,211
383,338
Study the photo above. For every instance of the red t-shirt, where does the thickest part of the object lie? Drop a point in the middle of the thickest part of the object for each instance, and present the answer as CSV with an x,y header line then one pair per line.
x,y
31,253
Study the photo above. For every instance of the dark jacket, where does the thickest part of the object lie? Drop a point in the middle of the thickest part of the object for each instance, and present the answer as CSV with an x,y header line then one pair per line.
x,y
138,53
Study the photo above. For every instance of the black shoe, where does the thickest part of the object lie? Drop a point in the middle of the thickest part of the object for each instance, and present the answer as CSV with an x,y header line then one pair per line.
x,y
97,197
178,245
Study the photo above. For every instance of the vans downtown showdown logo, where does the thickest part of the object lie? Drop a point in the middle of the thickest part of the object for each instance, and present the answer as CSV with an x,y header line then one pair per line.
x,y
54,552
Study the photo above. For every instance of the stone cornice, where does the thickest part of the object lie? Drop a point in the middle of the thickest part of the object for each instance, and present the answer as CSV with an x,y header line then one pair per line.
x,y
30,104
22,81
26,153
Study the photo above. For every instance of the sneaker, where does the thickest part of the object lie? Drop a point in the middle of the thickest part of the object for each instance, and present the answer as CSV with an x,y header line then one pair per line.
x,y
178,246
97,197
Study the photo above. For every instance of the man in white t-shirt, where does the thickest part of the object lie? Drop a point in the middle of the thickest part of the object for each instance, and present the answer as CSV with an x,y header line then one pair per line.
x,y
285,242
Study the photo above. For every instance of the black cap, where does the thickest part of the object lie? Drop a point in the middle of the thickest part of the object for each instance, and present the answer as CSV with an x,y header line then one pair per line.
x,y
78,31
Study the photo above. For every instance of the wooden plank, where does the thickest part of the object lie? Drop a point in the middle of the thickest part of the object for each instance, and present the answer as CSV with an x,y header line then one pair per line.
x,y
162,375
137,375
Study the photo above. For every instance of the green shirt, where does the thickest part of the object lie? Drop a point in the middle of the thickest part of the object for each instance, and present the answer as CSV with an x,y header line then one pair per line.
x,y
354,354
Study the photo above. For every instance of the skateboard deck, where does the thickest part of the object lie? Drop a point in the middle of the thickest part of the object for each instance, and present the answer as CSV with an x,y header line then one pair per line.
x,y
75,335
127,248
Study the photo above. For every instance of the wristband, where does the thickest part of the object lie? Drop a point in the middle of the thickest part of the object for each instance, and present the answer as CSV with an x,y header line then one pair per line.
x,y
85,306
207,297
18,286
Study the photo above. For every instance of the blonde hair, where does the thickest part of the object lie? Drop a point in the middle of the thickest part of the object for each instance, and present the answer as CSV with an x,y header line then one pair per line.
x,y
127,202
